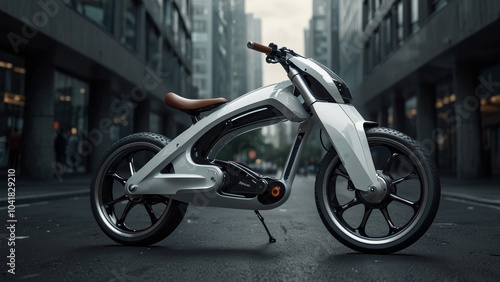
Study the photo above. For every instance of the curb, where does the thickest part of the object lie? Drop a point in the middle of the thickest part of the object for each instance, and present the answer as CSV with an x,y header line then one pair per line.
x,y
21,200
474,199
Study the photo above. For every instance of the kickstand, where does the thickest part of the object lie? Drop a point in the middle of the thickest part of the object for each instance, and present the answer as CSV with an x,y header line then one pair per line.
x,y
271,238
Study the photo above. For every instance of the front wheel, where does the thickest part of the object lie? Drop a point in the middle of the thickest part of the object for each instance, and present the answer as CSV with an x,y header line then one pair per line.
x,y
392,220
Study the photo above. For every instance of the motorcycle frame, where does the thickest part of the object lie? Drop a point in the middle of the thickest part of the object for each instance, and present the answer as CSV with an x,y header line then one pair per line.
x,y
198,182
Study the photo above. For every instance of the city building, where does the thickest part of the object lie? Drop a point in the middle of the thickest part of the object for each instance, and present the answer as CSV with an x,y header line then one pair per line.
x,y
203,47
430,69
254,59
88,72
322,38
220,53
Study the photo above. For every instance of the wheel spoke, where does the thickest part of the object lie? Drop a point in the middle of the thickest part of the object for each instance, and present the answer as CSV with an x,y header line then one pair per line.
x,y
118,178
362,225
402,200
341,209
116,201
409,176
162,199
125,212
339,172
388,165
131,166
151,212
392,228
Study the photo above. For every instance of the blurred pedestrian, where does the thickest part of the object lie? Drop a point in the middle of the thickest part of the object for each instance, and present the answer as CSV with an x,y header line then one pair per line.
x,y
60,146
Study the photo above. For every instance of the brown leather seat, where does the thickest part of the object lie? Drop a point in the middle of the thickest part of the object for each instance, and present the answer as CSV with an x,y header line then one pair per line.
x,y
192,105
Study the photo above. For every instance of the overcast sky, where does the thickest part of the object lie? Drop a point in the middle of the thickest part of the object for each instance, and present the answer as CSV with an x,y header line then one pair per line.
x,y
283,23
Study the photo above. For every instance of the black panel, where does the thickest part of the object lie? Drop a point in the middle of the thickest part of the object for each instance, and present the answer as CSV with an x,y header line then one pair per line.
x,y
203,146
319,92
293,155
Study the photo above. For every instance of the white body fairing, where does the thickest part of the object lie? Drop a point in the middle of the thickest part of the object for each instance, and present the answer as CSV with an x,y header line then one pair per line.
x,y
345,128
199,183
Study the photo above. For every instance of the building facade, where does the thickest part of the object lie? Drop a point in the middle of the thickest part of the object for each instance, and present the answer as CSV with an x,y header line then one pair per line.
x,y
430,69
322,36
82,74
203,47
221,29
254,59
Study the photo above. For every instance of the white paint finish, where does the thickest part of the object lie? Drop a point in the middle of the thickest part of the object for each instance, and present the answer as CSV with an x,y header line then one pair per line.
x,y
344,126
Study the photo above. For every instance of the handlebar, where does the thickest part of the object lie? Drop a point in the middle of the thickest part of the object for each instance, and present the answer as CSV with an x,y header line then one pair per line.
x,y
259,47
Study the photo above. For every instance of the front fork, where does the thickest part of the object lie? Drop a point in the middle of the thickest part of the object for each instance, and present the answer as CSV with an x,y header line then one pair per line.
x,y
346,129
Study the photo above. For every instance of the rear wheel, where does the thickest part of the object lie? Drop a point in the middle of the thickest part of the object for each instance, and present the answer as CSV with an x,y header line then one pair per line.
x,y
139,219
391,219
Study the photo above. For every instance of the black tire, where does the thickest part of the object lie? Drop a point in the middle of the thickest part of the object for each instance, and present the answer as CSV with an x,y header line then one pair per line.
x,y
407,208
118,214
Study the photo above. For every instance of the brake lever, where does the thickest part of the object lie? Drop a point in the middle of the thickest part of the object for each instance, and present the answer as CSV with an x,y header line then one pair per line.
x,y
271,60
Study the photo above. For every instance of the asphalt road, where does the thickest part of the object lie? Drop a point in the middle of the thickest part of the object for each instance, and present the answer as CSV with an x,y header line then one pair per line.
x,y
59,241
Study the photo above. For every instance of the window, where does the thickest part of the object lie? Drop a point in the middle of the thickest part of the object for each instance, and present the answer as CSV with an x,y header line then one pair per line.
x,y
414,15
167,10
129,37
200,68
400,21
365,13
100,11
377,49
200,10
437,5
71,118
175,25
153,48
200,26
200,83
200,53
388,34
183,41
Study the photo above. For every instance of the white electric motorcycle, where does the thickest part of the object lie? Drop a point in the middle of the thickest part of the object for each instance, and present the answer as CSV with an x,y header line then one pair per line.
x,y
376,188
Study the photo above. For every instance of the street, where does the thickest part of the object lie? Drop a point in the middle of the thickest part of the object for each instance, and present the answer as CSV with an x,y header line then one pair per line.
x,y
60,241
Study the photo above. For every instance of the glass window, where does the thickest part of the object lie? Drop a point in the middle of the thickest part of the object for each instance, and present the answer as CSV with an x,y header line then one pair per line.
x,y
365,12
100,11
200,68
200,53
414,15
155,122
411,114
12,100
320,24
388,34
400,21
129,37
183,41
71,119
184,7
437,5
200,10
153,49
167,9
201,83
175,25
377,47
200,26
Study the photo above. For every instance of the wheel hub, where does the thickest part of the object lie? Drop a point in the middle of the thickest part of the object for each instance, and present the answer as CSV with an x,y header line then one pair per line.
x,y
375,195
